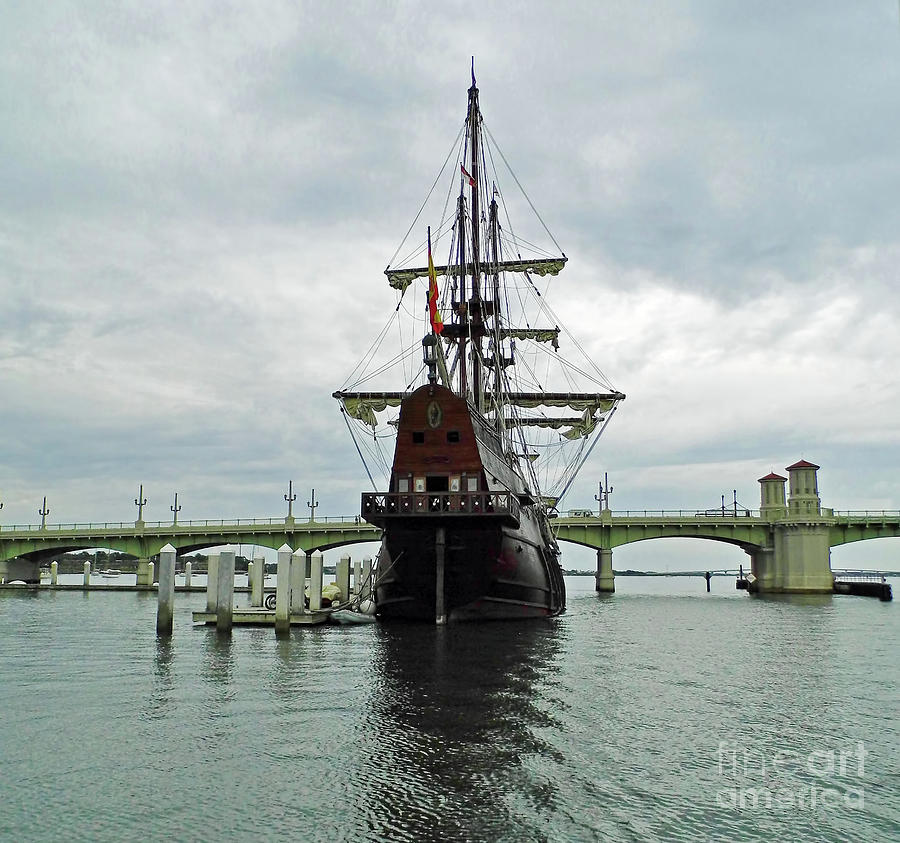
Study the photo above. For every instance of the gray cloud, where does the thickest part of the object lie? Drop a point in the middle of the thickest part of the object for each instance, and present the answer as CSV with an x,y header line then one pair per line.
x,y
197,202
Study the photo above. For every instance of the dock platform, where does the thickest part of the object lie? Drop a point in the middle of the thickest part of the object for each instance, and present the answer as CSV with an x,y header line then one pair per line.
x,y
252,616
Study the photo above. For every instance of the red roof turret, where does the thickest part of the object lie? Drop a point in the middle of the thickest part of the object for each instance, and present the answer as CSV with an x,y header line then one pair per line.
x,y
802,464
773,476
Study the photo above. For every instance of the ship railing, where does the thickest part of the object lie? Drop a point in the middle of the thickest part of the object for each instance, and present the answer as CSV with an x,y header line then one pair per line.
x,y
432,503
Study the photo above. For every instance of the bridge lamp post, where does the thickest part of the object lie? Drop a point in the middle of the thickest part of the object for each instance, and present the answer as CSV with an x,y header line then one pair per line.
x,y
604,492
44,512
175,510
312,503
140,502
290,497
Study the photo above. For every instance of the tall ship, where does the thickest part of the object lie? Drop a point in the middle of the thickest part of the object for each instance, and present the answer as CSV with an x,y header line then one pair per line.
x,y
484,445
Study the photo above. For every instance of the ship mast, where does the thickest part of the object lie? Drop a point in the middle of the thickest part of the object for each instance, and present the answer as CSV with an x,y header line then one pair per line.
x,y
475,314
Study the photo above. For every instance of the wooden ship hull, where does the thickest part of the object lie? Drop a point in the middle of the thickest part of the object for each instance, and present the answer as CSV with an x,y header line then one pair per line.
x,y
463,540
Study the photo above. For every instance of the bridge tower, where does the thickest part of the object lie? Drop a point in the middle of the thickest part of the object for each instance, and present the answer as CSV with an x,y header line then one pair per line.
x,y
804,496
772,507
797,556
771,496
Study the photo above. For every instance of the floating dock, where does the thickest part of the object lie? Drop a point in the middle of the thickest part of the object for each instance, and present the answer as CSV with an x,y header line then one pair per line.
x,y
253,616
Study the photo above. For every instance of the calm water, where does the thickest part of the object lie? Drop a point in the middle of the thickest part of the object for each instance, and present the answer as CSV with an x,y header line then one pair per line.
x,y
661,713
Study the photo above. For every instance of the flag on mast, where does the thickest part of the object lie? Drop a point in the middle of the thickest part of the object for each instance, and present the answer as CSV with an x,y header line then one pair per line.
x,y
437,324
468,175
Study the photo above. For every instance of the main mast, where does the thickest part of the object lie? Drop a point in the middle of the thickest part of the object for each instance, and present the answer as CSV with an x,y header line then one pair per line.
x,y
476,319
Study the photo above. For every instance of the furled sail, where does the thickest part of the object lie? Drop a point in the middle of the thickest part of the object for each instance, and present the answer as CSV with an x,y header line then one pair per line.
x,y
364,405
579,401
578,426
537,334
400,279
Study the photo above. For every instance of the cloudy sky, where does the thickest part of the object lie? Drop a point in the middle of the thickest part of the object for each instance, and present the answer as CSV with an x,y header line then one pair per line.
x,y
198,199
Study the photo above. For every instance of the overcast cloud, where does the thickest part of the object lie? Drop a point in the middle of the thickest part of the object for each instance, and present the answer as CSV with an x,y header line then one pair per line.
x,y
198,199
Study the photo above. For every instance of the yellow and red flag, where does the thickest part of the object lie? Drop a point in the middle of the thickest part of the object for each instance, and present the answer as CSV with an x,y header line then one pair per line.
x,y
437,324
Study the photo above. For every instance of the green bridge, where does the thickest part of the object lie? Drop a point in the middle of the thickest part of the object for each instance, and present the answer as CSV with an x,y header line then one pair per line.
x,y
788,539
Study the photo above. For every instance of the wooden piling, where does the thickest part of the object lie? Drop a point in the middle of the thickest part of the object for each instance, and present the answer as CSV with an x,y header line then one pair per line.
x,y
212,588
257,581
298,582
315,583
342,578
365,590
357,577
165,608
283,592
225,591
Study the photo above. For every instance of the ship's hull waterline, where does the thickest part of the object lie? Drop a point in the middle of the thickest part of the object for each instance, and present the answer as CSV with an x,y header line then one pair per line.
x,y
490,573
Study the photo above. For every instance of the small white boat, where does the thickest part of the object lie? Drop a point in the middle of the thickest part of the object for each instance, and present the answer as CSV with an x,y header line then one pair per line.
x,y
355,613
112,572
348,616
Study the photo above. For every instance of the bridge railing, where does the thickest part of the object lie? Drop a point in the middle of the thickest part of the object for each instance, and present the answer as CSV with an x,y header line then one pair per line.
x,y
892,514
662,513
168,525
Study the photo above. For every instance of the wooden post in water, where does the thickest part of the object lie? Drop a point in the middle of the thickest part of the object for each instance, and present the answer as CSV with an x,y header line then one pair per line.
x,y
188,572
298,582
283,592
165,607
365,591
54,573
87,574
342,577
225,592
315,583
212,583
357,577
257,581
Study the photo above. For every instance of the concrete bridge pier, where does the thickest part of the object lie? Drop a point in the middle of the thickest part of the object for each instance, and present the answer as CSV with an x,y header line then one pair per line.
x,y
605,578
802,559
144,572
27,570
762,566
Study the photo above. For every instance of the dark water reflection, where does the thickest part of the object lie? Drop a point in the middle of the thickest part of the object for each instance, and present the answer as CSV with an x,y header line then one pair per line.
x,y
455,716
